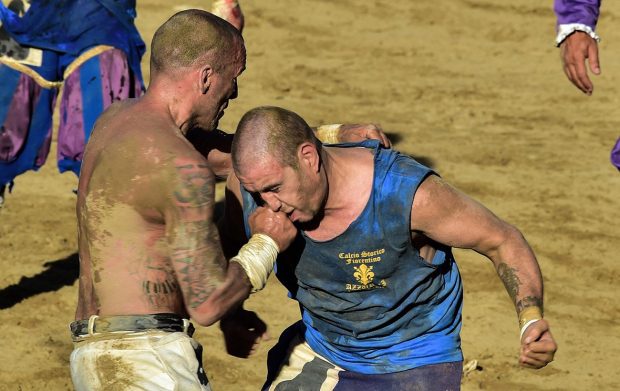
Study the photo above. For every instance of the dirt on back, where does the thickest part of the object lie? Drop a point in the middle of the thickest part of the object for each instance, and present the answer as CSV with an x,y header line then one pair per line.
x,y
474,89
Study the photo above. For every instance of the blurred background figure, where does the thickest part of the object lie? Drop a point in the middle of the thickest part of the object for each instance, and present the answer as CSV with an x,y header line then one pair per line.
x,y
578,43
91,48
230,11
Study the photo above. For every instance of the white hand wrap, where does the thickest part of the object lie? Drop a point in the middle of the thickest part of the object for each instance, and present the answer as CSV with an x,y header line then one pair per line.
x,y
257,258
328,134
527,317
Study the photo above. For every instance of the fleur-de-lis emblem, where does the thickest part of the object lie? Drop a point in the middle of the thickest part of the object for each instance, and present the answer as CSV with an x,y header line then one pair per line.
x,y
363,274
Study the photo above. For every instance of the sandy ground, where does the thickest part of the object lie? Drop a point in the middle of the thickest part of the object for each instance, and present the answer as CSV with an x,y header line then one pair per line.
x,y
471,87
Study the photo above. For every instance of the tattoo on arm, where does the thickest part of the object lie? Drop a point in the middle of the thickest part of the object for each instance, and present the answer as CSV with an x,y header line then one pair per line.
x,y
529,301
510,279
196,253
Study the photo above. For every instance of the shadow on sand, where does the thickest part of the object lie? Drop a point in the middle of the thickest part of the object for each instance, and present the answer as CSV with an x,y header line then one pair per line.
x,y
59,273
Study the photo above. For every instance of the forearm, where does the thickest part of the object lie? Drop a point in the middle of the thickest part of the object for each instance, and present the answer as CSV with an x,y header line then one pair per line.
x,y
518,270
247,272
227,296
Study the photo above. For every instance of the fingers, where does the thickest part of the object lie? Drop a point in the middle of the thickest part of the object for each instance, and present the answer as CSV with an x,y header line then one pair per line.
x,y
376,132
581,76
593,61
276,225
537,331
384,139
538,346
537,356
574,51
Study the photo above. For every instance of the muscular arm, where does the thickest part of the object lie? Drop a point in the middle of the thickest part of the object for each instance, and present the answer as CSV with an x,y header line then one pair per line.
x,y
215,146
448,216
209,285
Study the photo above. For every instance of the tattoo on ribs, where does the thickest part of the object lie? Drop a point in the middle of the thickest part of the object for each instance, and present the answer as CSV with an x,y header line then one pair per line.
x,y
510,279
159,293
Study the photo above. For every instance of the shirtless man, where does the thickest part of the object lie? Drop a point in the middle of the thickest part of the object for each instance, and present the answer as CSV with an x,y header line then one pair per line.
x,y
150,256
372,268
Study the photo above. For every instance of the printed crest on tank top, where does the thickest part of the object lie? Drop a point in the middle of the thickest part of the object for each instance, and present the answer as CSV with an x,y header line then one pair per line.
x,y
363,275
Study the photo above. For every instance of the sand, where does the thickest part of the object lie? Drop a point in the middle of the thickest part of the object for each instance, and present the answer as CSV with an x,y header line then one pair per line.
x,y
473,88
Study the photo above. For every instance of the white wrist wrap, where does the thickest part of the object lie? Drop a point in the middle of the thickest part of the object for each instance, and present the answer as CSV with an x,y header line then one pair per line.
x,y
528,316
328,134
525,326
257,258
564,30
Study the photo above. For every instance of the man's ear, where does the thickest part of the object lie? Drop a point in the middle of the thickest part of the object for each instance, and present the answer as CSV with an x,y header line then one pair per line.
x,y
206,78
308,155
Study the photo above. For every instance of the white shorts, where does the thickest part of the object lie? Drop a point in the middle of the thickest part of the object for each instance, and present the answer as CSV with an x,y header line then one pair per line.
x,y
150,360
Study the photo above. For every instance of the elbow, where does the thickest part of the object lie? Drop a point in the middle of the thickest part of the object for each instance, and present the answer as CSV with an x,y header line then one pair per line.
x,y
208,315
505,241
218,305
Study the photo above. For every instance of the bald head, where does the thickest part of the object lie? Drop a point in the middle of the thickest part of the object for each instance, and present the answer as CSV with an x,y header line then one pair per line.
x,y
273,132
193,37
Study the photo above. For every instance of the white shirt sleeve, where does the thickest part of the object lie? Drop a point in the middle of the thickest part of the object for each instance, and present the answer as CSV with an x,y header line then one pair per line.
x,y
564,30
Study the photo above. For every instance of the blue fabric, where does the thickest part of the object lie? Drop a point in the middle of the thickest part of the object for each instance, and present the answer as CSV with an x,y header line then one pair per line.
x,y
10,81
90,80
72,26
92,107
369,302
38,130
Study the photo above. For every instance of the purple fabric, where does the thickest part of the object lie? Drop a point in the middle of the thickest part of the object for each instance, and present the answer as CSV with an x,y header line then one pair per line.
x,y
436,377
25,135
615,154
16,124
117,83
71,126
577,11
19,120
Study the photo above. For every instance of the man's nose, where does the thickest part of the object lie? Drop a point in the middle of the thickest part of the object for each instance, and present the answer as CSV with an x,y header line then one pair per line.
x,y
272,201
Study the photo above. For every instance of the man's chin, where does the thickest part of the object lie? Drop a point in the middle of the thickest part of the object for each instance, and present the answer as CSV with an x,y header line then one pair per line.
x,y
307,223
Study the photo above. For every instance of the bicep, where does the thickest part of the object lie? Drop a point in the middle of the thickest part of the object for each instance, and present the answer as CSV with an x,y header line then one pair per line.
x,y
193,239
450,217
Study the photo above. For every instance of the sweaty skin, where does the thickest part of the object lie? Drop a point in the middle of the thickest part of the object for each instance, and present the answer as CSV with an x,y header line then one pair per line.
x,y
316,195
134,176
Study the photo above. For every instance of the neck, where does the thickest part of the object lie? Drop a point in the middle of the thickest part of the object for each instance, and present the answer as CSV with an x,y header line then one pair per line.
x,y
167,99
335,167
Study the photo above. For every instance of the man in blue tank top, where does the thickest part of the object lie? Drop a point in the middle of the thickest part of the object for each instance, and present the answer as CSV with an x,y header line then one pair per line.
x,y
372,268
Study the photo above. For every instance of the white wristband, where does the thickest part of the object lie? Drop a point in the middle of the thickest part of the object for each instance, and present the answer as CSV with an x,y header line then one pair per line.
x,y
564,30
525,326
257,258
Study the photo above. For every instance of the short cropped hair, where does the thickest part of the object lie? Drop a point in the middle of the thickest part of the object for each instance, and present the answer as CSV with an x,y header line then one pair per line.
x,y
271,131
190,36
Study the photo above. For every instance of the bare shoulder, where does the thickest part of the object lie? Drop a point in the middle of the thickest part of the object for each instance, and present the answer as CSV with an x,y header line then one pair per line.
x,y
142,160
432,189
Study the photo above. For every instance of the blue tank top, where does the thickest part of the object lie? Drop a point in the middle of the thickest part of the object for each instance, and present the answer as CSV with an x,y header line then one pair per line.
x,y
369,302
